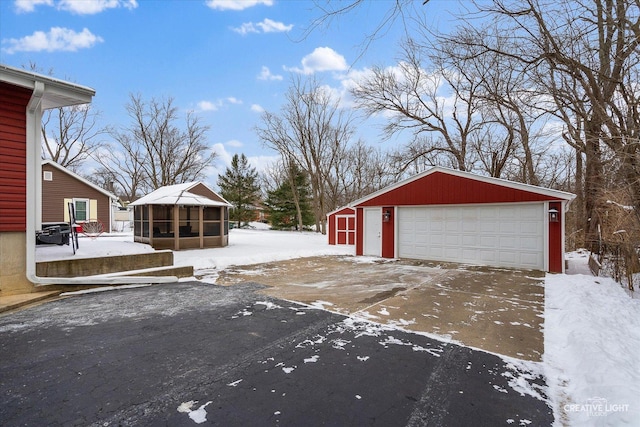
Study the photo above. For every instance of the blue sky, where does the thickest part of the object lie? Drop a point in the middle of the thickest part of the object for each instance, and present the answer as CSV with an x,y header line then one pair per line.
x,y
227,60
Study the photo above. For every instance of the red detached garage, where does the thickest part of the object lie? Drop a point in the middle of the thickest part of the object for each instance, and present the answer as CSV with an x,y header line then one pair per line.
x,y
449,215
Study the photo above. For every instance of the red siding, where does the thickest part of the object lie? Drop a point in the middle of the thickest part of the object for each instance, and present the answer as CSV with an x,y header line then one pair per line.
x,y
440,188
345,211
388,234
556,257
13,157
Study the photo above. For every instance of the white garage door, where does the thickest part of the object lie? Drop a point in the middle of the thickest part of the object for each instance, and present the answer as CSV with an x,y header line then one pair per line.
x,y
498,235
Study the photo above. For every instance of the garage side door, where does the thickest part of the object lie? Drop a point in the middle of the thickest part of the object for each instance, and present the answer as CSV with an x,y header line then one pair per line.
x,y
497,235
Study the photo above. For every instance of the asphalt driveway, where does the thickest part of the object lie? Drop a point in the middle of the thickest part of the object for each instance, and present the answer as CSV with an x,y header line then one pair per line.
x,y
495,309
192,353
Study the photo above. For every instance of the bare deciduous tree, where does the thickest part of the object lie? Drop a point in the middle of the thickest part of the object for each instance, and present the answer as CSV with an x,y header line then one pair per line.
x,y
312,130
363,170
423,102
70,135
154,151
588,52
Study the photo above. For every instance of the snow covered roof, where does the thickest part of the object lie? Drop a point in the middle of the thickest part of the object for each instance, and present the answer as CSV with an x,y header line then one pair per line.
x,y
179,194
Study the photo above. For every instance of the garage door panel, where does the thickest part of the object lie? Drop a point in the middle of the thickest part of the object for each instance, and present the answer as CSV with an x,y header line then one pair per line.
x,y
489,226
530,214
436,226
531,258
436,253
501,235
507,242
510,227
507,257
488,241
452,240
436,239
468,254
488,213
405,227
453,226
530,243
422,226
452,253
531,228
469,226
436,215
470,215
488,256
470,240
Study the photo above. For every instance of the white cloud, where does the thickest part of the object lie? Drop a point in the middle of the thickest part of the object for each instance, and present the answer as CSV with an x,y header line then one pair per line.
x,y
207,106
234,143
222,153
85,7
265,74
266,26
236,4
80,7
57,39
216,105
269,26
26,6
246,28
257,108
321,59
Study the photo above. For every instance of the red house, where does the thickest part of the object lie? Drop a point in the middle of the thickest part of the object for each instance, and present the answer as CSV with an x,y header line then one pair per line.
x,y
449,215
342,226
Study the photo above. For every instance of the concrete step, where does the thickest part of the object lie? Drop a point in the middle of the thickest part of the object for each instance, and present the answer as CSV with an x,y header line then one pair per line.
x,y
79,267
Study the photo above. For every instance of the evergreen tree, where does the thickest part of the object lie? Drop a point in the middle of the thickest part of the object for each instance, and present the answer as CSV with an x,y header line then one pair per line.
x,y
289,204
239,185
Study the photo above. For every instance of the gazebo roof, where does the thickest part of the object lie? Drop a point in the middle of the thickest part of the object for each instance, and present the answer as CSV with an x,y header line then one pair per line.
x,y
178,194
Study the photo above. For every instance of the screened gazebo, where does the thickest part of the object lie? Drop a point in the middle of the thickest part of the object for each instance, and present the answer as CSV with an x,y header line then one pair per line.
x,y
182,216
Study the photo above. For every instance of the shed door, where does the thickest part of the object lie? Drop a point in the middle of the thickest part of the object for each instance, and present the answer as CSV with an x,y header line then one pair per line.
x,y
373,232
498,235
346,229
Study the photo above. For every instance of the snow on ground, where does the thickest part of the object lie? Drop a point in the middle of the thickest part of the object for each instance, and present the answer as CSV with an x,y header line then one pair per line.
x,y
246,246
592,327
104,245
251,246
591,340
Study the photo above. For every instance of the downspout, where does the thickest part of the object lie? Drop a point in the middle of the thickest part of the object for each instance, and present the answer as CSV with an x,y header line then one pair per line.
x,y
34,210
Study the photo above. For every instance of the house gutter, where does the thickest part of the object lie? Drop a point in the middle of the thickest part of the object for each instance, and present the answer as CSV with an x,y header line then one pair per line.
x,y
34,208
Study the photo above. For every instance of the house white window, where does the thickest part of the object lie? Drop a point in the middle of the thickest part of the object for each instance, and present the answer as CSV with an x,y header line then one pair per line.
x,y
82,209
47,176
